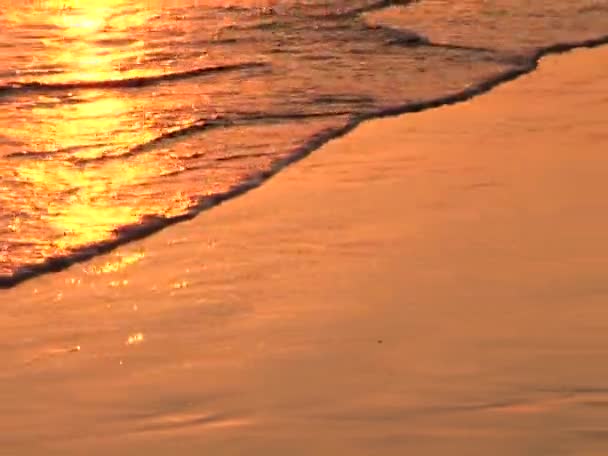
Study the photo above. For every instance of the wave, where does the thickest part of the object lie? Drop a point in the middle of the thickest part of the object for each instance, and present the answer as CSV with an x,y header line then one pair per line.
x,y
153,223
203,124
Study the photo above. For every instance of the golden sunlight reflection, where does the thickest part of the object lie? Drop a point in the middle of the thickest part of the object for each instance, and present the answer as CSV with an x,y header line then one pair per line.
x,y
88,213
82,192
84,46
180,284
135,339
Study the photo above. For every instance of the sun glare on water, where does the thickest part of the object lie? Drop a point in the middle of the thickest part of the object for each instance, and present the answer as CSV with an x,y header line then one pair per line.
x,y
87,40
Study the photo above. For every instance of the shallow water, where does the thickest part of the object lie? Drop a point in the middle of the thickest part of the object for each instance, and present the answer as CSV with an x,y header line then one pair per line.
x,y
119,117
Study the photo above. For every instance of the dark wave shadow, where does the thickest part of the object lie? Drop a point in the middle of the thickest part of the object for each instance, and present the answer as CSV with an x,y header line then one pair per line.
x,y
143,81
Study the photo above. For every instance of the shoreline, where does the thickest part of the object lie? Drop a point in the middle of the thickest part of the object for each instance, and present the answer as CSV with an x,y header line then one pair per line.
x,y
129,234
430,283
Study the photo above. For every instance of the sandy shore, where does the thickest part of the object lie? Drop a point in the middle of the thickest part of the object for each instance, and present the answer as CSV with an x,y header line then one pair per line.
x,y
431,284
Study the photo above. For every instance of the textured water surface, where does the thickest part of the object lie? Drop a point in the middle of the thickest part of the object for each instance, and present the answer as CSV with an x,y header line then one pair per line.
x,y
119,117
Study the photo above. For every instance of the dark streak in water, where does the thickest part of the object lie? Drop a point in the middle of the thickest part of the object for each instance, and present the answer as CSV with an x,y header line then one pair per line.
x,y
205,125
136,82
238,120
151,224
381,4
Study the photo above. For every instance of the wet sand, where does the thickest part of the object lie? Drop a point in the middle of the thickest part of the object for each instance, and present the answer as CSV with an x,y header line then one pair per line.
x,y
429,284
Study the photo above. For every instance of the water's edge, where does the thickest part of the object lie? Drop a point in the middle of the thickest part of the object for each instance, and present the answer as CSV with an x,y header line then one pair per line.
x,y
150,225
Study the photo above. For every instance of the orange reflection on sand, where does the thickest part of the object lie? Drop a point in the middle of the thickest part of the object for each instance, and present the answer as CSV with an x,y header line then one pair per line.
x,y
118,265
135,339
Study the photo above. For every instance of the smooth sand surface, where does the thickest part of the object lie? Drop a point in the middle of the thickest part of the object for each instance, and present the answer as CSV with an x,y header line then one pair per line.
x,y
431,284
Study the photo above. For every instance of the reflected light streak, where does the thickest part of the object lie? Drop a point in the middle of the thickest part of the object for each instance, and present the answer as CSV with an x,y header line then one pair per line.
x,y
83,193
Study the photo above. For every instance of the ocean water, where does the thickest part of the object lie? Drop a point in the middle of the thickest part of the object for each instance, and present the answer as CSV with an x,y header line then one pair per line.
x,y
119,117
